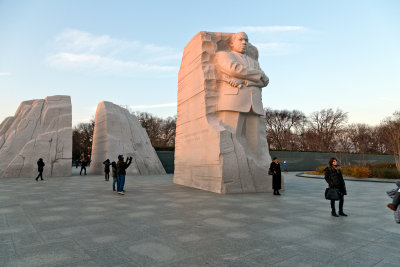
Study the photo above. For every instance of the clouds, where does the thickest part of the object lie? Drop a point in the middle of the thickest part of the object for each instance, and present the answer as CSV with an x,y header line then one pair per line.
x,y
273,40
81,51
5,73
275,49
267,29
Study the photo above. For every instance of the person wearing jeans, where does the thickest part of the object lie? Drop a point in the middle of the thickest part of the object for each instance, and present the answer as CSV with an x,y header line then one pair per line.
x,y
121,172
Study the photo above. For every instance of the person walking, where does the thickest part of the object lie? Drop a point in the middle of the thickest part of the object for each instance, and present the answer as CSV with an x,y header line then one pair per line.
x,y
83,166
285,166
334,178
40,165
114,174
121,172
275,169
107,164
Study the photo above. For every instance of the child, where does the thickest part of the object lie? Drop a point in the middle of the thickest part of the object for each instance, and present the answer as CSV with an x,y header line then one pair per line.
x,y
114,174
107,169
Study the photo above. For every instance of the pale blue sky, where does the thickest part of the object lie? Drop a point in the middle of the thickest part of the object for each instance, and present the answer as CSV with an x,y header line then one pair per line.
x,y
317,54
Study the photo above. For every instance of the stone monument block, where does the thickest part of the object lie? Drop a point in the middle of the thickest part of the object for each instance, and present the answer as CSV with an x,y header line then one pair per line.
x,y
118,132
220,143
40,129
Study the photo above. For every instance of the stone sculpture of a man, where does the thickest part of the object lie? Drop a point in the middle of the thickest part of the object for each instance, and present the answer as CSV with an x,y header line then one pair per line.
x,y
239,104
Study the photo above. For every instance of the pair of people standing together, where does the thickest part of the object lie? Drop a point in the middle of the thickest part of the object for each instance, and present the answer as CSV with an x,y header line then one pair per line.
x,y
118,172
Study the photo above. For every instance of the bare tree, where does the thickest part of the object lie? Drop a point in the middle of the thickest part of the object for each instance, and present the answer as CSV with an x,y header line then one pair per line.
x,y
392,135
82,138
362,137
324,126
161,132
282,128
344,140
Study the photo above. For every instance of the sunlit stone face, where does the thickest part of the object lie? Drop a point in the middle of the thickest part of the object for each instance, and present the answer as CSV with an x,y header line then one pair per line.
x,y
239,42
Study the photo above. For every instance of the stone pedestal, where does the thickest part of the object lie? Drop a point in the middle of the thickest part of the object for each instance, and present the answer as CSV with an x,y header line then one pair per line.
x,y
118,132
209,153
40,129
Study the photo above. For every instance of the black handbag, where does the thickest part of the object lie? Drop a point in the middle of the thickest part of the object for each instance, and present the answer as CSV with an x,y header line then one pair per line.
x,y
270,172
332,193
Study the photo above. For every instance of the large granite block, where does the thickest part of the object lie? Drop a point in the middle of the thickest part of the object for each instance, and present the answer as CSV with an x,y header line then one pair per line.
x,y
40,129
118,132
220,143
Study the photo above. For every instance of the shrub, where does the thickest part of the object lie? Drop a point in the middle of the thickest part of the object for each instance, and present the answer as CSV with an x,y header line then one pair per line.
x,y
381,170
320,169
356,171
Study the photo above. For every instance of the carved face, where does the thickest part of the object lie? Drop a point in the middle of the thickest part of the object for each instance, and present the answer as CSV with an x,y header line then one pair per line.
x,y
239,42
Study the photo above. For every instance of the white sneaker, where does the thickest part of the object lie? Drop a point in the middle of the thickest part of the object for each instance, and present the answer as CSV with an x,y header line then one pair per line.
x,y
122,193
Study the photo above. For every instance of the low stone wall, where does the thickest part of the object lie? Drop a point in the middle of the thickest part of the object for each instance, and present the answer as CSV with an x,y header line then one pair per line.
x,y
298,161
306,161
167,160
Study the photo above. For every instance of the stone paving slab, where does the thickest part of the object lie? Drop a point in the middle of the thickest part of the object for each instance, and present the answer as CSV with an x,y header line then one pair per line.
x,y
80,221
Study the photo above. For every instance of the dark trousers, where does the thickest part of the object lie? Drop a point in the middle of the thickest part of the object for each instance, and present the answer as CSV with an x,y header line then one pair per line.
x,y
40,175
82,168
107,176
396,199
341,200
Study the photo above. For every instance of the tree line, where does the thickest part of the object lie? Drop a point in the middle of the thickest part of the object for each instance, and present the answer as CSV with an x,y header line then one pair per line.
x,y
326,130
161,133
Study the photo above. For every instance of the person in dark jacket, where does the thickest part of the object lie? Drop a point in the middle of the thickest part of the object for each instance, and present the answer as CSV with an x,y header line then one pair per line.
x,y
114,174
395,195
121,172
275,169
107,164
40,165
334,178
83,166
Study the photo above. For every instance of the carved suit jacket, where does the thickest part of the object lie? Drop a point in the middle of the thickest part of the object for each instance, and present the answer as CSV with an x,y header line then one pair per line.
x,y
244,68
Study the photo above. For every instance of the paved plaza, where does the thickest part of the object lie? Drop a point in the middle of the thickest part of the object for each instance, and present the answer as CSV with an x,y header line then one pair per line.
x,y
80,221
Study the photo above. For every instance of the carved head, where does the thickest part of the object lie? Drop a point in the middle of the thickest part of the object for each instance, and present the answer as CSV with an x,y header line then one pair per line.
x,y
239,42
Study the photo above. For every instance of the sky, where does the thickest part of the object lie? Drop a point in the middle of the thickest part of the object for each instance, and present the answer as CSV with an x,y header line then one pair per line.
x,y
317,54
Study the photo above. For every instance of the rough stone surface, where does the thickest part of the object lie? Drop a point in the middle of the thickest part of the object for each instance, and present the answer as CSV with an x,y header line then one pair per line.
x,y
117,132
40,129
220,143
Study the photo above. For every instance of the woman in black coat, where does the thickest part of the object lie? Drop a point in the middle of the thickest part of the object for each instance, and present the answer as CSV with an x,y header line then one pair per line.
x,y
275,169
334,178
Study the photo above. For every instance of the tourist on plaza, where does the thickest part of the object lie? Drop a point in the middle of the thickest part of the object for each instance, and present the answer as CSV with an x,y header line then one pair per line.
x,y
107,164
40,165
83,166
275,169
121,172
114,174
285,166
334,178
395,195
